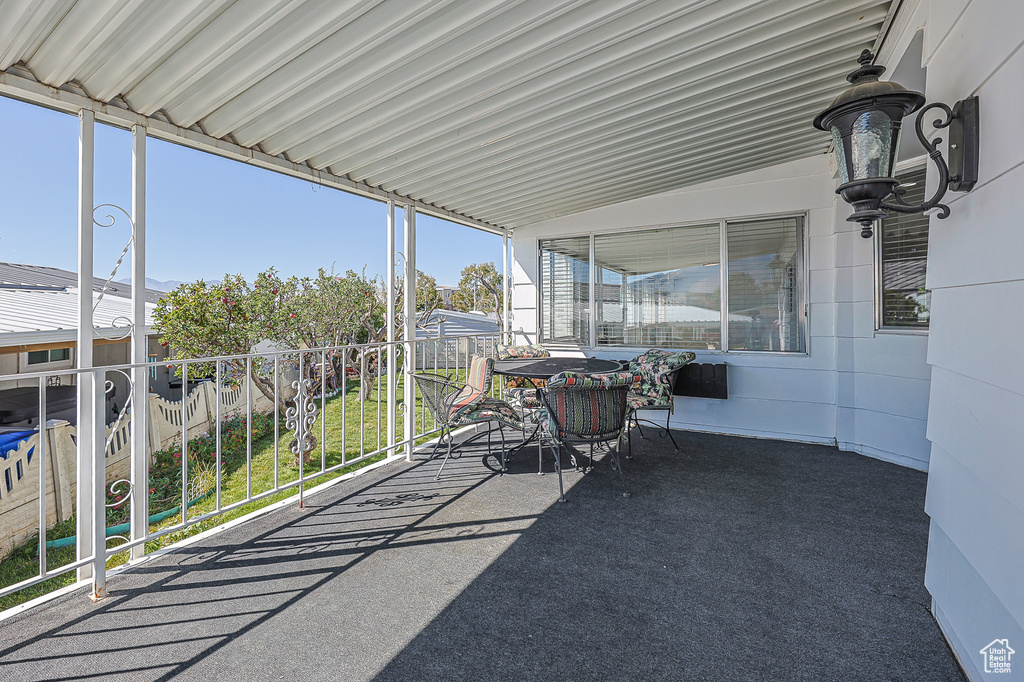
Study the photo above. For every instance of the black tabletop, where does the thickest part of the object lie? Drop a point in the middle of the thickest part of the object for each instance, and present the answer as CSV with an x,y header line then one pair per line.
x,y
545,368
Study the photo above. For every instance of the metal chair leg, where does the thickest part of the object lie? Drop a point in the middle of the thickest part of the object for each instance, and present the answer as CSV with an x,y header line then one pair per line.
x,y
446,457
668,420
501,434
558,467
617,465
540,454
440,440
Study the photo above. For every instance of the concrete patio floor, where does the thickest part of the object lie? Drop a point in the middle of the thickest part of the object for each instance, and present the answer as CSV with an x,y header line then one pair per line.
x,y
735,559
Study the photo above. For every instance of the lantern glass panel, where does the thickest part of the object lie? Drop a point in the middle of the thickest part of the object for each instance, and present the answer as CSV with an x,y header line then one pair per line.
x,y
840,152
871,140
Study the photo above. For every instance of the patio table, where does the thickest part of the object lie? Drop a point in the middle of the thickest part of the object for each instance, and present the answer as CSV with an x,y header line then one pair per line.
x,y
545,368
535,369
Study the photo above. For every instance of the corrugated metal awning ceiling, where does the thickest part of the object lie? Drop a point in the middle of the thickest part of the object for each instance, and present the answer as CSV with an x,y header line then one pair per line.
x,y
506,111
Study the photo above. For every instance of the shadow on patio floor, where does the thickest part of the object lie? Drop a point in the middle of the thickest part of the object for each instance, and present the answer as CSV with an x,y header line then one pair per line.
x,y
735,559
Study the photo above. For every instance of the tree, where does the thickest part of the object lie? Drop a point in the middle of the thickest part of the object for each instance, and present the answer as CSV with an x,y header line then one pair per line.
x,y
427,296
480,288
327,311
200,320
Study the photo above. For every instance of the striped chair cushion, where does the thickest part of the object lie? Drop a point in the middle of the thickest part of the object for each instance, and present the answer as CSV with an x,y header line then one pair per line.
x,y
587,405
480,375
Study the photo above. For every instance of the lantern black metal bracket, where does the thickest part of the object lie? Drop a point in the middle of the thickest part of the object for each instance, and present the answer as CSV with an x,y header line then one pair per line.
x,y
963,156
867,191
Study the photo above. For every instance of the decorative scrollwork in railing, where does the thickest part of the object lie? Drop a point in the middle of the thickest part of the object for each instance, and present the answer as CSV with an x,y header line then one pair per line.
x,y
119,323
109,222
300,418
117,537
108,386
121,487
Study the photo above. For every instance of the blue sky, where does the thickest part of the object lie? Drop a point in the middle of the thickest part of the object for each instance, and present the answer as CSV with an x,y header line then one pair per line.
x,y
206,215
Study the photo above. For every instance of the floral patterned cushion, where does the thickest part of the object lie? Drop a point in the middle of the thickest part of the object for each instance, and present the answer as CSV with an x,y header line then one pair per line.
x,y
525,398
490,409
583,381
523,382
653,369
637,401
532,350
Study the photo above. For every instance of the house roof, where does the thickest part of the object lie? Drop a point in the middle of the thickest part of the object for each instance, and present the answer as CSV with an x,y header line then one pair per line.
x,y
456,324
13,275
48,315
506,112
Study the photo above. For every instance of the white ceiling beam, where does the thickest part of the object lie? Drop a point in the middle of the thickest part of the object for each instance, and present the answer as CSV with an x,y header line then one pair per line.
x,y
461,42
641,88
292,36
677,168
24,24
669,131
619,63
759,91
437,108
144,44
650,187
27,90
284,85
618,162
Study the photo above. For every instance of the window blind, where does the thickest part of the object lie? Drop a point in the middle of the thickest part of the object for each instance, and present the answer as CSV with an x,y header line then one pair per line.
x,y
565,290
659,287
904,259
764,285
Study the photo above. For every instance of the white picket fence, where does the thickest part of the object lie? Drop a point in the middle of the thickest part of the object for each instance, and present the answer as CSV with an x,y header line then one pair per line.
x,y
19,472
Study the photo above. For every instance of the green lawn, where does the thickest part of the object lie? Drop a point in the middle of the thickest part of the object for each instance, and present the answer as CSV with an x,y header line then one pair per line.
x,y
352,429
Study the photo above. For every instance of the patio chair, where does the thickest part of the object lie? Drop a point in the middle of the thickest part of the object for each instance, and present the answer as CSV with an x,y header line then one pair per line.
x,y
580,408
520,392
453,405
656,372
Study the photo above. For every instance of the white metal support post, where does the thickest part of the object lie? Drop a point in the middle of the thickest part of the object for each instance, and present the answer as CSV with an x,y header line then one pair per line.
x,y
392,354
410,329
90,518
592,308
505,291
140,349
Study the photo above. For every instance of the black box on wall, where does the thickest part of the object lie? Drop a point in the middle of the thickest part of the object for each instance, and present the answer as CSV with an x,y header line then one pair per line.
x,y
703,380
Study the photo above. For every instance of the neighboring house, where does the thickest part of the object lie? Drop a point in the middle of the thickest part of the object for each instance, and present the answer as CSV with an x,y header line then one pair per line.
x,y
453,323
38,329
447,296
474,332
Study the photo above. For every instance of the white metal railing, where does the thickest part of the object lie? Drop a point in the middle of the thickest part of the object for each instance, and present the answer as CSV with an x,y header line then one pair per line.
x,y
319,395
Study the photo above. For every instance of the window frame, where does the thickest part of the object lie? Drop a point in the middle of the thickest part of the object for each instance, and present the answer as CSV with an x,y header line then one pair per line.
x,y
49,357
803,277
916,163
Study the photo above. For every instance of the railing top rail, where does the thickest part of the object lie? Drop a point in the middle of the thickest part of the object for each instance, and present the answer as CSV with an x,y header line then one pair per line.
x,y
266,355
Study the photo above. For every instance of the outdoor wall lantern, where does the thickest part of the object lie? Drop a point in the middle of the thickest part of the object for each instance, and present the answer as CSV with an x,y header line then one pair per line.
x,y
865,125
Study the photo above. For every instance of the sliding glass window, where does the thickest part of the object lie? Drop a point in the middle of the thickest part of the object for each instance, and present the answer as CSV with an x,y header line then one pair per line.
x,y
663,287
659,287
565,286
764,284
